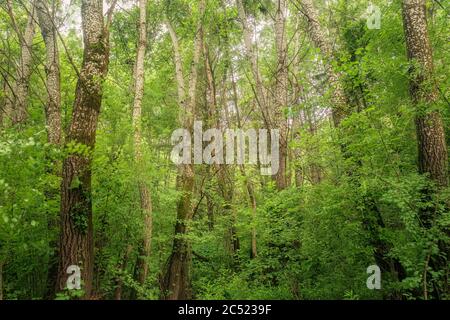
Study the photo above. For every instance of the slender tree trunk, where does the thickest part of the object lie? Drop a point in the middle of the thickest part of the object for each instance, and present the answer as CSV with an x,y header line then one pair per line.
x,y
252,55
210,210
177,283
281,91
226,184
144,192
321,41
122,268
16,106
53,106
315,171
298,123
76,242
53,114
248,184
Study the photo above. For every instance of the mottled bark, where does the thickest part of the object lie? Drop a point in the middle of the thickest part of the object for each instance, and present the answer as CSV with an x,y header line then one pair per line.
x,y
52,70
122,269
52,109
177,283
340,108
16,104
281,92
432,148
144,192
433,156
76,240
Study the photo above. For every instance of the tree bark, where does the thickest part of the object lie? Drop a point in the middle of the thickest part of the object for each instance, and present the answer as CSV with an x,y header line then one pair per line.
x,y
144,192
318,35
122,269
16,105
76,240
46,20
252,55
177,283
432,147
226,184
52,70
433,154
281,92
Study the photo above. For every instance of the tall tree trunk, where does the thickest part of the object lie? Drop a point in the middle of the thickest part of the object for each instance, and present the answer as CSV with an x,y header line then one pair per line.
x,y
252,56
433,156
318,36
46,19
144,192
16,105
432,148
298,123
177,283
281,91
52,70
76,242
248,183
226,184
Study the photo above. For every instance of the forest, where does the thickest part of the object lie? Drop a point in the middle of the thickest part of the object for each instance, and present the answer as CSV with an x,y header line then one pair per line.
x,y
224,149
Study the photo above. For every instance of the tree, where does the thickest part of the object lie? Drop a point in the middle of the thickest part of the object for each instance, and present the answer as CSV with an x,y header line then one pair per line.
x,y
16,103
318,36
46,20
433,155
76,238
431,140
281,91
144,192
176,283
252,55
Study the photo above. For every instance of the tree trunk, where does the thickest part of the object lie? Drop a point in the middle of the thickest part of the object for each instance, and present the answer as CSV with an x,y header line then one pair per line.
x,y
144,192
297,123
226,184
252,56
248,183
16,105
76,240
321,41
52,70
433,156
432,147
122,268
46,20
177,283
281,91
